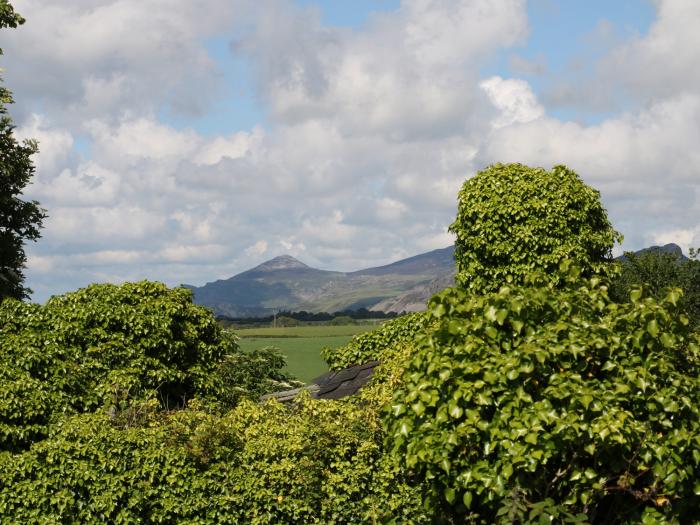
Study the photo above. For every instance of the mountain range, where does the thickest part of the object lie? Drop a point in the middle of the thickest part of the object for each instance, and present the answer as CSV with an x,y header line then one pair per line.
x,y
287,284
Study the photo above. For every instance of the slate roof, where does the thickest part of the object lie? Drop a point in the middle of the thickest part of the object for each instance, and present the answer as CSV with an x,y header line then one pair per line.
x,y
332,385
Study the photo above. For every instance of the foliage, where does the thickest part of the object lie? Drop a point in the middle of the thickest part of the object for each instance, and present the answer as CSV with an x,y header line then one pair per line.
x,y
19,220
538,403
318,462
252,374
658,271
342,320
284,322
513,219
380,344
104,346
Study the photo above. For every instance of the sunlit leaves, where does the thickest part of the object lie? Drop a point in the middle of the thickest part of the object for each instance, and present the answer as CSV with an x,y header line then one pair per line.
x,y
556,403
513,220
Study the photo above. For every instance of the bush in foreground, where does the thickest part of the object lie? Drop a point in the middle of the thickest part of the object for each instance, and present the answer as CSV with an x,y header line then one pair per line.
x,y
537,402
319,462
513,219
106,346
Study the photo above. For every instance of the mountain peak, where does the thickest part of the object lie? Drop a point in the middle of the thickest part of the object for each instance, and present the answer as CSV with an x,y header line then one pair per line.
x,y
282,262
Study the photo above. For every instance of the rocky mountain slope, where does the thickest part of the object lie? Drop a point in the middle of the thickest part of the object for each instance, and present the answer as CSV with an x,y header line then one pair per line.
x,y
285,283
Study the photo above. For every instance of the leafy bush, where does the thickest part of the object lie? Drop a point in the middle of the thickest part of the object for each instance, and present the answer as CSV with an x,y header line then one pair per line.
x,y
319,462
249,375
377,345
104,346
536,402
658,271
513,219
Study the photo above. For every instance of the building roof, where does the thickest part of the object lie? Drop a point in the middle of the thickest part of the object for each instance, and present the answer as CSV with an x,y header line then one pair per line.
x,y
335,384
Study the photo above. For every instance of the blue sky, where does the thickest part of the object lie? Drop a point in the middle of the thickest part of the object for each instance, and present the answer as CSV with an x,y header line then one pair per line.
x,y
562,36
189,144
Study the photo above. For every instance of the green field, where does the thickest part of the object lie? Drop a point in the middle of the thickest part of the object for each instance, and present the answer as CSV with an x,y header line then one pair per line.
x,y
301,344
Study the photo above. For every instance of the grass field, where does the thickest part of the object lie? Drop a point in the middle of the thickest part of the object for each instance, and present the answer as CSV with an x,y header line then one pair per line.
x,y
301,344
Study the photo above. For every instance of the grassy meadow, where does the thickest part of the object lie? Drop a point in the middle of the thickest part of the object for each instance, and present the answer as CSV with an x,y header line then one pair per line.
x,y
301,344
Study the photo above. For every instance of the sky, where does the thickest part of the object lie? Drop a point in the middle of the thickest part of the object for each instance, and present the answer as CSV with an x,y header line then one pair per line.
x,y
185,141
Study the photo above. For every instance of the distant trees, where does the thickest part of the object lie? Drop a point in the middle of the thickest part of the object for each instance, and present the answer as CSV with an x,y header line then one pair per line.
x,y
19,220
308,317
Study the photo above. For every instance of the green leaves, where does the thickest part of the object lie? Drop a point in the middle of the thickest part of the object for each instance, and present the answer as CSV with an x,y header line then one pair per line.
x,y
563,402
318,462
105,347
543,219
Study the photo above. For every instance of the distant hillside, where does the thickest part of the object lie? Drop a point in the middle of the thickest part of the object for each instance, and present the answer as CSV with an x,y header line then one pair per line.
x,y
285,283
666,248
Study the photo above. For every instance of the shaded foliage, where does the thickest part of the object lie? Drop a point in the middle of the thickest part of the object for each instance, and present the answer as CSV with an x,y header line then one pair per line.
x,y
250,375
20,220
658,271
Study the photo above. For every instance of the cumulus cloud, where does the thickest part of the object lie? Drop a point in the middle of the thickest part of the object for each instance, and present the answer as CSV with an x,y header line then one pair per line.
x,y
369,133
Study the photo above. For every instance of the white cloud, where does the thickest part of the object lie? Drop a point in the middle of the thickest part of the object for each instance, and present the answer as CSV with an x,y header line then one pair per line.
x,y
645,163
257,249
369,133
515,100
662,63
685,238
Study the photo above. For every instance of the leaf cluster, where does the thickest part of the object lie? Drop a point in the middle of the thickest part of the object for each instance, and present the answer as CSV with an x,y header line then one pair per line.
x,y
381,344
316,462
544,401
513,220
106,346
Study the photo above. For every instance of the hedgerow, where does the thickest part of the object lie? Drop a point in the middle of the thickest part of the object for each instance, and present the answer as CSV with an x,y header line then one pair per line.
x,y
537,402
95,437
105,346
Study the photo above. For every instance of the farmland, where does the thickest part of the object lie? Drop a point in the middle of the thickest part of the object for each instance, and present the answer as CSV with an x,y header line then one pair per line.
x,y
301,344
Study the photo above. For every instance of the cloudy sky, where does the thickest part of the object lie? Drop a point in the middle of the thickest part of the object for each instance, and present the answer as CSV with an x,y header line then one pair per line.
x,y
187,141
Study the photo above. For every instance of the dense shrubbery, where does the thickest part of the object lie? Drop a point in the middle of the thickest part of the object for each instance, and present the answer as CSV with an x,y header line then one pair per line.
x,y
381,344
320,462
100,348
513,220
536,401
90,435
658,271
105,346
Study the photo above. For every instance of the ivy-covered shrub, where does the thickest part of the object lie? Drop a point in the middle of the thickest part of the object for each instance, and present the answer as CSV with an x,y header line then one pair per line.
x,y
513,220
317,462
543,403
104,346
377,345
658,271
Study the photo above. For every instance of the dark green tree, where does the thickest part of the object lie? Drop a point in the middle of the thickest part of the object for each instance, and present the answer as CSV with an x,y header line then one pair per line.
x,y
20,220
657,271
513,219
